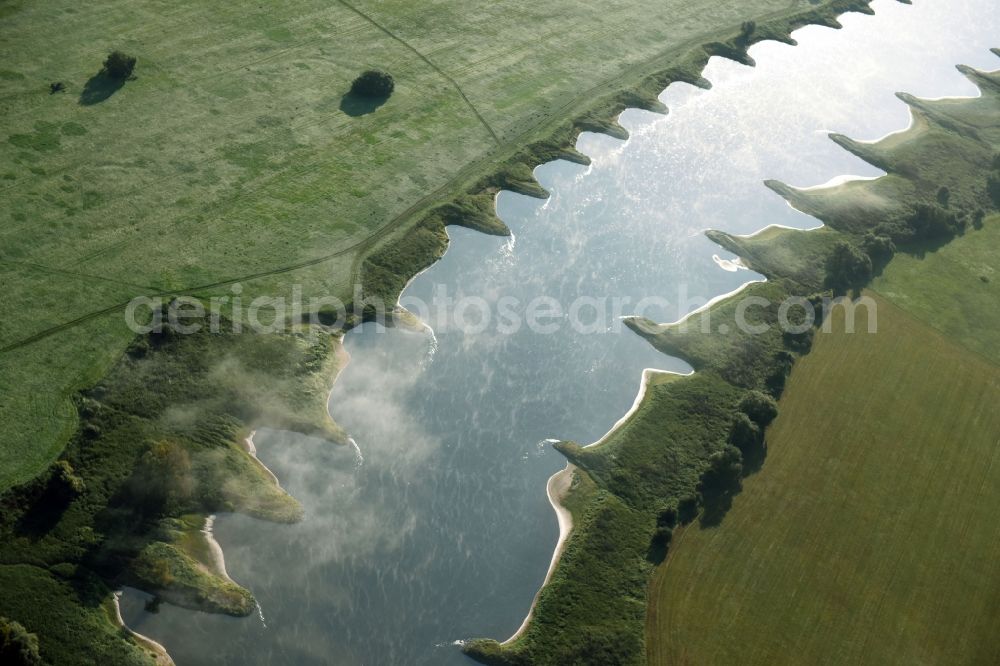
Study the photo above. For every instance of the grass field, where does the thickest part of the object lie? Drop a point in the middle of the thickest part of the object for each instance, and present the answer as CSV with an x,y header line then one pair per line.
x,y
870,534
955,288
232,156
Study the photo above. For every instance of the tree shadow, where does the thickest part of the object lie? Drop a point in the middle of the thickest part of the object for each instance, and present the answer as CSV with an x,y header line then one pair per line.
x,y
99,88
657,551
716,506
360,105
921,247
42,515
753,460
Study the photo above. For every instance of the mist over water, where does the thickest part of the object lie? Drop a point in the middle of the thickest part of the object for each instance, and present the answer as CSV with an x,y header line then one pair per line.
x,y
440,530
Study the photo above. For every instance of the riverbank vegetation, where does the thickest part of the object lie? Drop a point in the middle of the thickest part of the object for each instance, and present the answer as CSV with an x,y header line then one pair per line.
x,y
161,444
675,453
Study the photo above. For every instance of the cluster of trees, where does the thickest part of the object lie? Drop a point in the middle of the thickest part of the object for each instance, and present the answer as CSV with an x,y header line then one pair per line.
x,y
851,266
162,482
18,647
847,267
723,477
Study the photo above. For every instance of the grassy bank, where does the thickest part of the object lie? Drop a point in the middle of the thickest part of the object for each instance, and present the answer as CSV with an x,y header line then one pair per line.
x,y
665,464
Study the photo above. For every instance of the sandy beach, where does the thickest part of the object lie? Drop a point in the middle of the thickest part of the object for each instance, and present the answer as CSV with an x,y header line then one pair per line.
x,y
218,557
559,484
158,651
251,448
556,488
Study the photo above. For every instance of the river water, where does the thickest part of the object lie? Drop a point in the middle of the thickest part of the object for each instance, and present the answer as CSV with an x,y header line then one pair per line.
x,y
437,528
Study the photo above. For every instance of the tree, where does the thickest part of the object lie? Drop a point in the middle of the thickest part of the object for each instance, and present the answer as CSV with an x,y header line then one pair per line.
x,y
746,31
662,537
930,221
993,188
977,218
879,247
373,83
687,509
943,196
119,65
64,482
724,473
760,407
744,434
18,647
667,517
162,480
847,267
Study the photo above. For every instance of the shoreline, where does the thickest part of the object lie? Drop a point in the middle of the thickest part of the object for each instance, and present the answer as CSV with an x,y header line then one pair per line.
x,y
559,484
251,449
555,488
644,380
160,654
218,556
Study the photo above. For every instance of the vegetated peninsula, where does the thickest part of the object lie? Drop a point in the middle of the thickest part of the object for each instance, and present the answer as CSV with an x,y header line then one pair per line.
x,y
193,152
869,496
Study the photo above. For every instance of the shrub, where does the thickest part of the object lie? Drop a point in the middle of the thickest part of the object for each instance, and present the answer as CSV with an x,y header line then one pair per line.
x,y
746,31
687,509
18,647
724,473
879,247
119,65
667,517
943,196
373,83
761,408
744,434
930,221
847,267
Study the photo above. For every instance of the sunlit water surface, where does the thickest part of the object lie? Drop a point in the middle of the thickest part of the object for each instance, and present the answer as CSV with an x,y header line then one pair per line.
x,y
440,530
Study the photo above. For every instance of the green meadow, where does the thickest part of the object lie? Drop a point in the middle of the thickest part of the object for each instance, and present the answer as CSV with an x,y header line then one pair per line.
x,y
234,156
955,289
